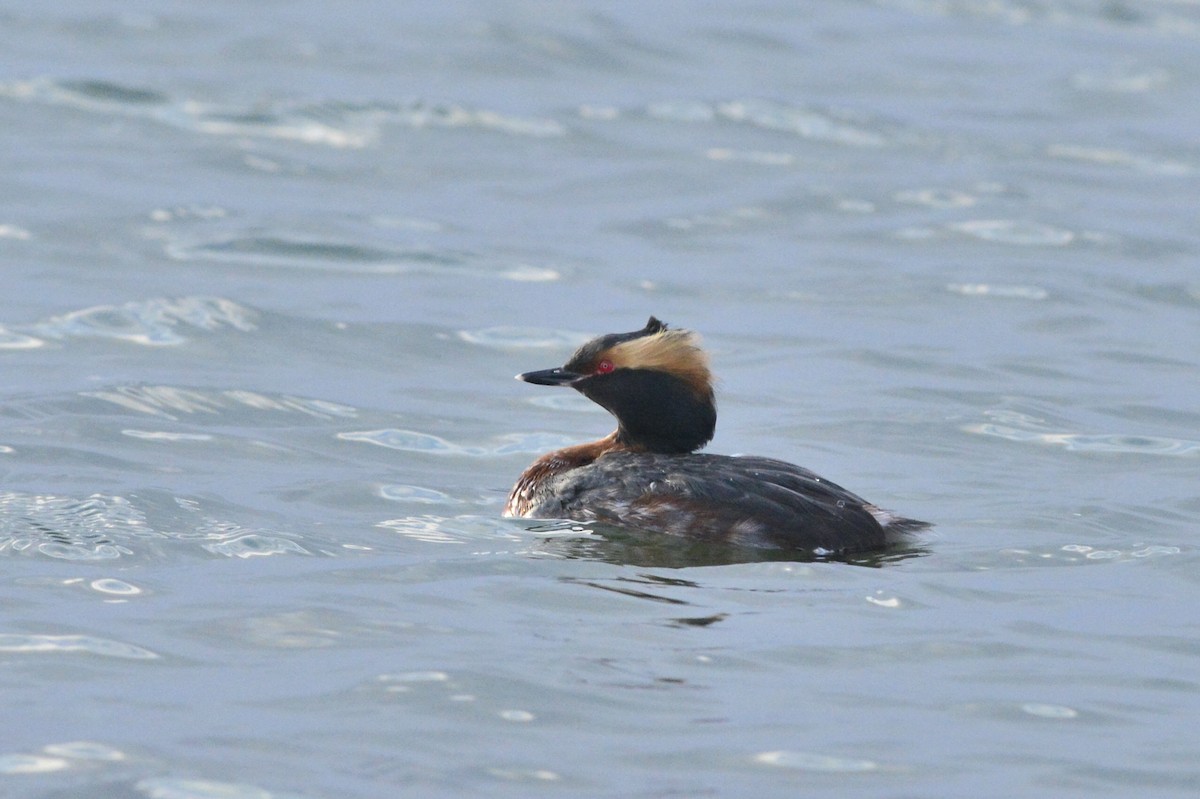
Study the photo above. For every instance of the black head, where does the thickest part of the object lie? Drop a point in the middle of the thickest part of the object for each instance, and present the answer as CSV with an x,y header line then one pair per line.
x,y
654,380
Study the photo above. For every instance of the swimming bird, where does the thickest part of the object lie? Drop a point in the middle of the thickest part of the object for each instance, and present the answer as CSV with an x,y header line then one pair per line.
x,y
647,474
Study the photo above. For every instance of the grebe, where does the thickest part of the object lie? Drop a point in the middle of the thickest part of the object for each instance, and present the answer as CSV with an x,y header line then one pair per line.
x,y
647,474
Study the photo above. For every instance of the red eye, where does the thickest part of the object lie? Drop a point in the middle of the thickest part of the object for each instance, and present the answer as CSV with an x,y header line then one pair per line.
x,y
604,367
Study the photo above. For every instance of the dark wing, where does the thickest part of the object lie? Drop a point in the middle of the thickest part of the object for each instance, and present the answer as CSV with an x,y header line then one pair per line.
x,y
744,501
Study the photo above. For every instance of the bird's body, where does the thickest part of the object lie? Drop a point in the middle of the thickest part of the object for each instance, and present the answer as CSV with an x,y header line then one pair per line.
x,y
646,475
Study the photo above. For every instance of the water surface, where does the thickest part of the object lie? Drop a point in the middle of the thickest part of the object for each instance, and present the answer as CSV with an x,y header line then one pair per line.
x,y
269,272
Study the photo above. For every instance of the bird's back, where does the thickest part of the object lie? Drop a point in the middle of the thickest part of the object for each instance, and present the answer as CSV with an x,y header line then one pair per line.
x,y
745,501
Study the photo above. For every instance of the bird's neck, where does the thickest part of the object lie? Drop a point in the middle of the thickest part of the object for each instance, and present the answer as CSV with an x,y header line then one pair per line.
x,y
658,412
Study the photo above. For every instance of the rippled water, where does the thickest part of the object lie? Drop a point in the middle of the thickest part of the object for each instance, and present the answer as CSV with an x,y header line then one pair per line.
x,y
268,276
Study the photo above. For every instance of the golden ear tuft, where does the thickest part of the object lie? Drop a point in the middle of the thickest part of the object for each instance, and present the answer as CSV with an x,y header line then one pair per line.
x,y
676,352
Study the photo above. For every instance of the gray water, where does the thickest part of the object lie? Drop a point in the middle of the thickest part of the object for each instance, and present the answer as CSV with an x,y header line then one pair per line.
x,y
269,269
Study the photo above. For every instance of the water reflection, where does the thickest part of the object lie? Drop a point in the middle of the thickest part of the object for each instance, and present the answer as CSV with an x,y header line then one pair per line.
x,y
624,547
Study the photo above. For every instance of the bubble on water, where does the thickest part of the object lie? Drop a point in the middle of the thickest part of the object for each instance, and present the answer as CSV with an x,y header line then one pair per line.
x,y
253,545
529,273
530,443
337,124
808,123
1025,428
287,403
414,676
155,322
518,775
1081,553
1122,78
1120,158
111,585
31,764
11,340
1001,290
429,444
163,435
522,338
77,551
188,212
1155,549
807,761
423,114
1047,711
305,251
760,157
1016,232
411,493
936,198
430,529
409,441
84,750
180,788
158,400
49,644
16,232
